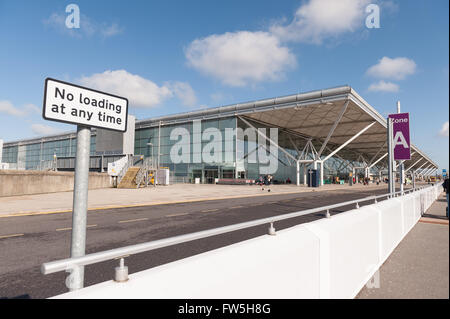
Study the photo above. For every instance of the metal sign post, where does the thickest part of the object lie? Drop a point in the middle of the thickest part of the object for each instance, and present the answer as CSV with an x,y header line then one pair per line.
x,y
70,103
80,199
391,183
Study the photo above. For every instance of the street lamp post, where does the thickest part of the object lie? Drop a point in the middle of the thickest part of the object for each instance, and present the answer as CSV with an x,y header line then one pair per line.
x,y
154,176
151,144
55,161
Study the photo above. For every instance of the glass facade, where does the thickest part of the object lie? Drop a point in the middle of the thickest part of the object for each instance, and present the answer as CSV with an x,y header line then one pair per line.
x,y
10,154
197,163
30,156
213,149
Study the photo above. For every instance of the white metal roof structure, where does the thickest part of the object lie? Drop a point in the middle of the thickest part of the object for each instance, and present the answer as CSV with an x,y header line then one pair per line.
x,y
331,122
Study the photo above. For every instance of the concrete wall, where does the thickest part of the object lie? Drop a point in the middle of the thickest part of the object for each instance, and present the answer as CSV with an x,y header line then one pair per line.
x,y
37,182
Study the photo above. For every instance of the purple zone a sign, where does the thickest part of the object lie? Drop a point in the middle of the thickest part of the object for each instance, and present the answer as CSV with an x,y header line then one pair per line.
x,y
402,144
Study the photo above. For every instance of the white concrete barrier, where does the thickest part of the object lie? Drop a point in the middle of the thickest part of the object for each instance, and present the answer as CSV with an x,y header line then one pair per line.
x,y
349,251
327,258
409,216
392,226
281,266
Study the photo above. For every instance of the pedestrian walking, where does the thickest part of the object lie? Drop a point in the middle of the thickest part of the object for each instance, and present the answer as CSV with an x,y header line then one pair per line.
x,y
445,185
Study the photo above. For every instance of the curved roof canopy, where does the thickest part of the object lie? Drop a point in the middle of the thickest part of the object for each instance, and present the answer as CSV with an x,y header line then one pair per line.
x,y
330,118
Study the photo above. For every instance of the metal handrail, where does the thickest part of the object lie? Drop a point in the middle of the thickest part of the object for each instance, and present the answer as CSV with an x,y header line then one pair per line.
x,y
69,263
143,175
124,169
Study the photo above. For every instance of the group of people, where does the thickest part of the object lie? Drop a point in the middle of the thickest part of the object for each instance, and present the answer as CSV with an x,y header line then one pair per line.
x,y
265,180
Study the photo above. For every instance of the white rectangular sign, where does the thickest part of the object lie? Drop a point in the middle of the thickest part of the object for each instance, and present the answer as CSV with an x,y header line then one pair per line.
x,y
70,103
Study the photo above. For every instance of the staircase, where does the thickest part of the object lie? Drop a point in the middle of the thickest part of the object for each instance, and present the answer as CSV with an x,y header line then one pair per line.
x,y
129,179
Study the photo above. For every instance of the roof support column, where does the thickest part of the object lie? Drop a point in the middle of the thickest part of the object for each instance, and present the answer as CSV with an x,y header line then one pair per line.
x,y
378,160
413,165
379,151
321,173
333,128
350,140
417,170
431,171
369,167
267,138
295,146
420,173
426,171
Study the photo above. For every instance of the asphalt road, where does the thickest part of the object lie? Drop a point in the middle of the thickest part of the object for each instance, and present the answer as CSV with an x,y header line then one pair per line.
x,y
28,241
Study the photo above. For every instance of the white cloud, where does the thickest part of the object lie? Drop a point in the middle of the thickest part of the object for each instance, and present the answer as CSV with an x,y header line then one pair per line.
x,y
389,7
220,97
240,58
319,19
139,91
8,108
184,92
245,58
444,130
383,86
88,27
397,68
111,30
41,129
31,108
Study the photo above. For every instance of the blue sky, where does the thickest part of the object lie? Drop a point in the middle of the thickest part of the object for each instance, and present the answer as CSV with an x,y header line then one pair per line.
x,y
188,55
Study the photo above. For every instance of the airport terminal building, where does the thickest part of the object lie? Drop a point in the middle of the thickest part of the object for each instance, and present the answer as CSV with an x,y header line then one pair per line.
x,y
333,130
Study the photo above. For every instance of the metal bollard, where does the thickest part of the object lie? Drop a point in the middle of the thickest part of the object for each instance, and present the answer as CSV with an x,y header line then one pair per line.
x,y
121,274
272,231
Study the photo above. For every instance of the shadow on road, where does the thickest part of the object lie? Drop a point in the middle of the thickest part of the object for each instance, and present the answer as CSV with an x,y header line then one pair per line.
x,y
435,216
26,296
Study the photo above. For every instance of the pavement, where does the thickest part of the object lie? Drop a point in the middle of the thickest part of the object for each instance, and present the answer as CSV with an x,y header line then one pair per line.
x,y
107,198
419,267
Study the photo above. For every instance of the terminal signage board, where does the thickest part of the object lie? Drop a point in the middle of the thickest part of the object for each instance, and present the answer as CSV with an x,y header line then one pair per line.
x,y
401,138
70,103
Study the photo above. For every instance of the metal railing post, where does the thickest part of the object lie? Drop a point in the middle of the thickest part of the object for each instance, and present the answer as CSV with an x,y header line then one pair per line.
x,y
121,272
272,231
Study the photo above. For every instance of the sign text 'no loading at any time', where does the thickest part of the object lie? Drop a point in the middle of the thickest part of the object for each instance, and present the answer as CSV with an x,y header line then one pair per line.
x,y
70,103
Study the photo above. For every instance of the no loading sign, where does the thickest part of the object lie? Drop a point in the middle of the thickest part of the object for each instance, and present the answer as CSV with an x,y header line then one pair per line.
x,y
70,103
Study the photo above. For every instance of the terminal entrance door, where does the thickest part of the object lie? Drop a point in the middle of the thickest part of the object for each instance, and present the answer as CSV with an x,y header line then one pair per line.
x,y
211,175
